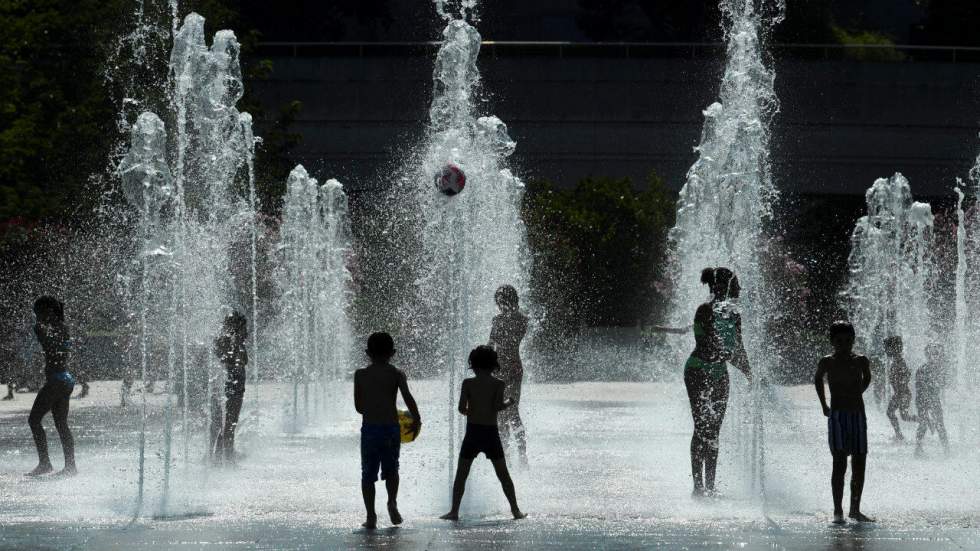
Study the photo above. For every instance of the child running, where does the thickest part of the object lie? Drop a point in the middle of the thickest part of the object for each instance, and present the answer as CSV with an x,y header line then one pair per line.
x,y
929,382
899,376
848,376
376,388
480,399
55,395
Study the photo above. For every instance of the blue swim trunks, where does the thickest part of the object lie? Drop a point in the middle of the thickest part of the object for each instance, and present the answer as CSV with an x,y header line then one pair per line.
x,y
380,446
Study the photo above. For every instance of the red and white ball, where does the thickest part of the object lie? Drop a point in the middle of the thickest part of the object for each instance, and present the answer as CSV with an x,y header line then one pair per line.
x,y
450,180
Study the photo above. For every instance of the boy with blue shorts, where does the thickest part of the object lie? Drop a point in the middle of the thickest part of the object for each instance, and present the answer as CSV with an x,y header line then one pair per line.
x,y
376,388
848,375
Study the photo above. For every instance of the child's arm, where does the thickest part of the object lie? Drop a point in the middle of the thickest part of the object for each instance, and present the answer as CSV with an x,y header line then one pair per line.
x,y
865,373
358,393
740,358
413,408
463,407
818,382
498,398
670,330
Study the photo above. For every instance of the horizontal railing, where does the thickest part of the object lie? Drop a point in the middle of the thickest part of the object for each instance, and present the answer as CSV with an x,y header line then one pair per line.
x,y
624,50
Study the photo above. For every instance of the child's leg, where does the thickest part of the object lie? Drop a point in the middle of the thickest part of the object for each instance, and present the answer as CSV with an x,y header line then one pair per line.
x,y
42,405
459,486
59,411
858,462
920,433
233,409
940,424
837,482
216,426
370,463
716,416
367,492
507,483
892,417
694,382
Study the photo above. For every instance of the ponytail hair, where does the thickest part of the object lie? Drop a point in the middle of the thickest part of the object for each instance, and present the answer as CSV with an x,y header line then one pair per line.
x,y
708,276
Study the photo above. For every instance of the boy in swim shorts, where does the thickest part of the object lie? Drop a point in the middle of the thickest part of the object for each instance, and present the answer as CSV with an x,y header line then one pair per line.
x,y
480,399
848,375
376,388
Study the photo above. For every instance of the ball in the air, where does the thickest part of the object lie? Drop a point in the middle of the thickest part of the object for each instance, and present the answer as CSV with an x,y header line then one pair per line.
x,y
450,180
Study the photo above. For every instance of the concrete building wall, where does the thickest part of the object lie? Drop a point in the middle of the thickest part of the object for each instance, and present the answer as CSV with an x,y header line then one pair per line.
x,y
842,123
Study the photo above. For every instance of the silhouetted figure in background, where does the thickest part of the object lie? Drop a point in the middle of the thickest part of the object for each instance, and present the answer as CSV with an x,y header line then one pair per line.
x,y
7,377
929,382
848,376
230,349
480,399
899,377
376,389
55,395
718,340
508,330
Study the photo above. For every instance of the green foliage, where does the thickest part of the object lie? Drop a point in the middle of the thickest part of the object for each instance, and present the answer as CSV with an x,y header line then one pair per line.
x,y
598,248
58,112
54,112
878,46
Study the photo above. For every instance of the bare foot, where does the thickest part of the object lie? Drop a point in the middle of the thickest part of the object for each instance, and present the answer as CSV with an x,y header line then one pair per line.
x,y
518,515
450,516
393,514
40,470
67,472
839,518
371,523
860,517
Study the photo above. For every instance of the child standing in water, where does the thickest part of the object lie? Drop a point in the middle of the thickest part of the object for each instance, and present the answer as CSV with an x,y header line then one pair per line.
x,y
508,330
929,382
480,399
899,377
848,376
231,352
376,388
55,395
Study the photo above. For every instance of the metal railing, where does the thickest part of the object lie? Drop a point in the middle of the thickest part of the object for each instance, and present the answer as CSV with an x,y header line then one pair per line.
x,y
625,50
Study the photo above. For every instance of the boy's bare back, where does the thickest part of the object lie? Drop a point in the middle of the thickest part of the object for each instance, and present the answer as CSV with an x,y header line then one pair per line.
x,y
375,390
481,398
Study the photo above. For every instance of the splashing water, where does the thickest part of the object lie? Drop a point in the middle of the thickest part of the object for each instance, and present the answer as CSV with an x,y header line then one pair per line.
x,y
315,333
727,200
472,242
190,291
891,270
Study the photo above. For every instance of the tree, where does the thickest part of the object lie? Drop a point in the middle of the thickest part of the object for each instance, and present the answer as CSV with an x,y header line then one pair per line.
x,y
598,249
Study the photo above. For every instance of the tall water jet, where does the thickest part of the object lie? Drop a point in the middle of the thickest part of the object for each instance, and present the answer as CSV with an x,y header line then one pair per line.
x,y
473,242
726,202
148,186
966,379
891,272
209,154
314,284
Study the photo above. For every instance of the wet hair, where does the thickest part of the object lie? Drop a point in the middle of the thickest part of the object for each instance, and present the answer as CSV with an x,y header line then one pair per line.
x,y
892,342
507,295
48,305
236,322
484,357
841,327
380,346
718,276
